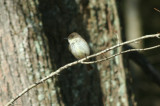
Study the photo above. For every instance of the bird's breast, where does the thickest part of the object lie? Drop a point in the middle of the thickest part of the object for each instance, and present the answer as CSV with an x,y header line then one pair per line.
x,y
79,49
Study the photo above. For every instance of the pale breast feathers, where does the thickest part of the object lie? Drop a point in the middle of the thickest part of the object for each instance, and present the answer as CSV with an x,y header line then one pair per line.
x,y
80,50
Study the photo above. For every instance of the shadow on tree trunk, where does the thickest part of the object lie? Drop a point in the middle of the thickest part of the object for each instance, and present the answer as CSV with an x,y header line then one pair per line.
x,y
75,86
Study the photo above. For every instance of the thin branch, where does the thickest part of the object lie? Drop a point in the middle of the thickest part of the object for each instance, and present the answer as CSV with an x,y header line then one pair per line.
x,y
126,51
144,64
121,44
76,62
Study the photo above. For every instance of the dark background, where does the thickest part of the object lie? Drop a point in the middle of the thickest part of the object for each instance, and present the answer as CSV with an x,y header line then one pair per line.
x,y
146,90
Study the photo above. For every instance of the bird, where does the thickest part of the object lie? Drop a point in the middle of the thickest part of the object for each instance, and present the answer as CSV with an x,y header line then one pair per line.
x,y
78,46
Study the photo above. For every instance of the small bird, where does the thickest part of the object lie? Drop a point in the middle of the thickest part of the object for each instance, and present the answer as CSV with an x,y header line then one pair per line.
x,y
78,46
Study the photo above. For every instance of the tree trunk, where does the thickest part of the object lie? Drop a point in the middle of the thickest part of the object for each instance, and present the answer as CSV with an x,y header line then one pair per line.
x,y
32,46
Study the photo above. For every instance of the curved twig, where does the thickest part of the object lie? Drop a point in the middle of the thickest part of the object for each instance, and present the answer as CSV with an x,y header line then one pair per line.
x,y
76,62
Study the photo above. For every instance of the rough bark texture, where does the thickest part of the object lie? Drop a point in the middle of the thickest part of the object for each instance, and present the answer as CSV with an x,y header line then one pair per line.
x,y
23,54
32,46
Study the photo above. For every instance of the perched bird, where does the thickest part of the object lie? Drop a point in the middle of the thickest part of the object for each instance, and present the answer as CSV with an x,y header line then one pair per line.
x,y
78,46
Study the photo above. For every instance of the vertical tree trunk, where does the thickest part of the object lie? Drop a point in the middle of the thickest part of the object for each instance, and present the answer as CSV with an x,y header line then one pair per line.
x,y
24,56
133,22
32,46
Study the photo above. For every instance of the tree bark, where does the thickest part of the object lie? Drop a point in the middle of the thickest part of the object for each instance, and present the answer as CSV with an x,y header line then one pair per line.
x,y
32,46
24,57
